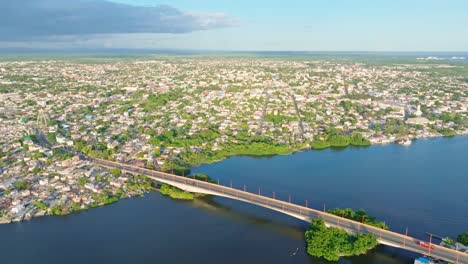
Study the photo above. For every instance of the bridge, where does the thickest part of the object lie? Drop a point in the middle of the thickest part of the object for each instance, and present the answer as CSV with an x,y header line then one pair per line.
x,y
385,237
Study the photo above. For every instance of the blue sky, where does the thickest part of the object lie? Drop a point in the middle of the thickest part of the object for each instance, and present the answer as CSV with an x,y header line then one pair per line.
x,y
312,25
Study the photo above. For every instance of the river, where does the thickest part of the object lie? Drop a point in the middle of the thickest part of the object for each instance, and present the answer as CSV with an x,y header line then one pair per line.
x,y
423,187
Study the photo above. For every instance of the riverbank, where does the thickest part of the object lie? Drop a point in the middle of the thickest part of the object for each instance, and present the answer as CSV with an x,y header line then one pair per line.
x,y
131,189
378,178
39,208
79,200
189,160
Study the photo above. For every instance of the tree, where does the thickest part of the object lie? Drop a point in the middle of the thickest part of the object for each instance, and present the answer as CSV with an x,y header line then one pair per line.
x,y
52,138
116,172
82,181
358,140
21,185
36,170
56,210
463,238
157,153
332,243
40,205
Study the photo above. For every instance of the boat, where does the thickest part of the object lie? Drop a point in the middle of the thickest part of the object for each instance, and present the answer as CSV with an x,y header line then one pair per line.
x,y
428,260
404,142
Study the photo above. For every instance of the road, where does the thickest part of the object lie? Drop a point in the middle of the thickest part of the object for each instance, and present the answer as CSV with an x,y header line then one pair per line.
x,y
385,237
298,113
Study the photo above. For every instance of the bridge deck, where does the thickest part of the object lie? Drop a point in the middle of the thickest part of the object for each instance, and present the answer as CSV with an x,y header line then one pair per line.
x,y
385,237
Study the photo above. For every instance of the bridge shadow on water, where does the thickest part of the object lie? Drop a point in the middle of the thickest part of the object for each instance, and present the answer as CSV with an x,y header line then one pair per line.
x,y
291,227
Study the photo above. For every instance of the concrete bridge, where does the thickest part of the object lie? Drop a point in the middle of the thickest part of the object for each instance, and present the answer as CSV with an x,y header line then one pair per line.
x,y
384,237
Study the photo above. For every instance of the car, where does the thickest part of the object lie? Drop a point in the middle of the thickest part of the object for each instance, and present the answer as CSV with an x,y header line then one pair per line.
x,y
425,245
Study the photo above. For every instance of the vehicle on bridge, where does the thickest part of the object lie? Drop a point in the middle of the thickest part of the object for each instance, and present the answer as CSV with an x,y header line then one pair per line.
x,y
425,245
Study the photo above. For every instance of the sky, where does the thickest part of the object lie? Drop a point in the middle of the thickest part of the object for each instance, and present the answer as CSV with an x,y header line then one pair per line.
x,y
237,25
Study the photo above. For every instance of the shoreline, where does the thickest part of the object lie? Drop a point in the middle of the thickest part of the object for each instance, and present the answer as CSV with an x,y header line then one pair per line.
x,y
309,148
41,213
48,212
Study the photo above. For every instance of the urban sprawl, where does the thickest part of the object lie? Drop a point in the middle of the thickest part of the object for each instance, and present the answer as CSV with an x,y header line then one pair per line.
x,y
171,113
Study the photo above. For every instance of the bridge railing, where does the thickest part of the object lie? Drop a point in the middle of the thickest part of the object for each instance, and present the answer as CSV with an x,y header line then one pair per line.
x,y
279,205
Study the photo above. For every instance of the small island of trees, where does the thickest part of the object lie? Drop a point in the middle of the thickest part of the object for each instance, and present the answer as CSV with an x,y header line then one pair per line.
x,y
332,243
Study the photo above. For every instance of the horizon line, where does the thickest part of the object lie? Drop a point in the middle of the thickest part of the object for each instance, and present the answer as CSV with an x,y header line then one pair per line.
x,y
52,50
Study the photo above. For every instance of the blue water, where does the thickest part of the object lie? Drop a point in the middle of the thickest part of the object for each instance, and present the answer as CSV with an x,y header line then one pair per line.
x,y
423,187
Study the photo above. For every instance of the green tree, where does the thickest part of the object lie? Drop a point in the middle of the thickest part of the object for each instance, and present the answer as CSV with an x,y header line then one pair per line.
x,y
52,138
356,139
332,243
463,238
56,210
82,181
157,153
116,172
40,205
36,170
21,185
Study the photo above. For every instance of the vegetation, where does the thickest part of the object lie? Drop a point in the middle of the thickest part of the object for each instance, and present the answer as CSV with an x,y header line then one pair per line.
x,y
336,138
156,100
452,117
40,205
203,177
253,149
463,238
446,132
36,170
51,138
333,243
82,181
139,183
61,154
96,150
116,172
76,207
56,210
278,119
178,138
358,216
21,185
320,144
104,198
176,193
448,241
